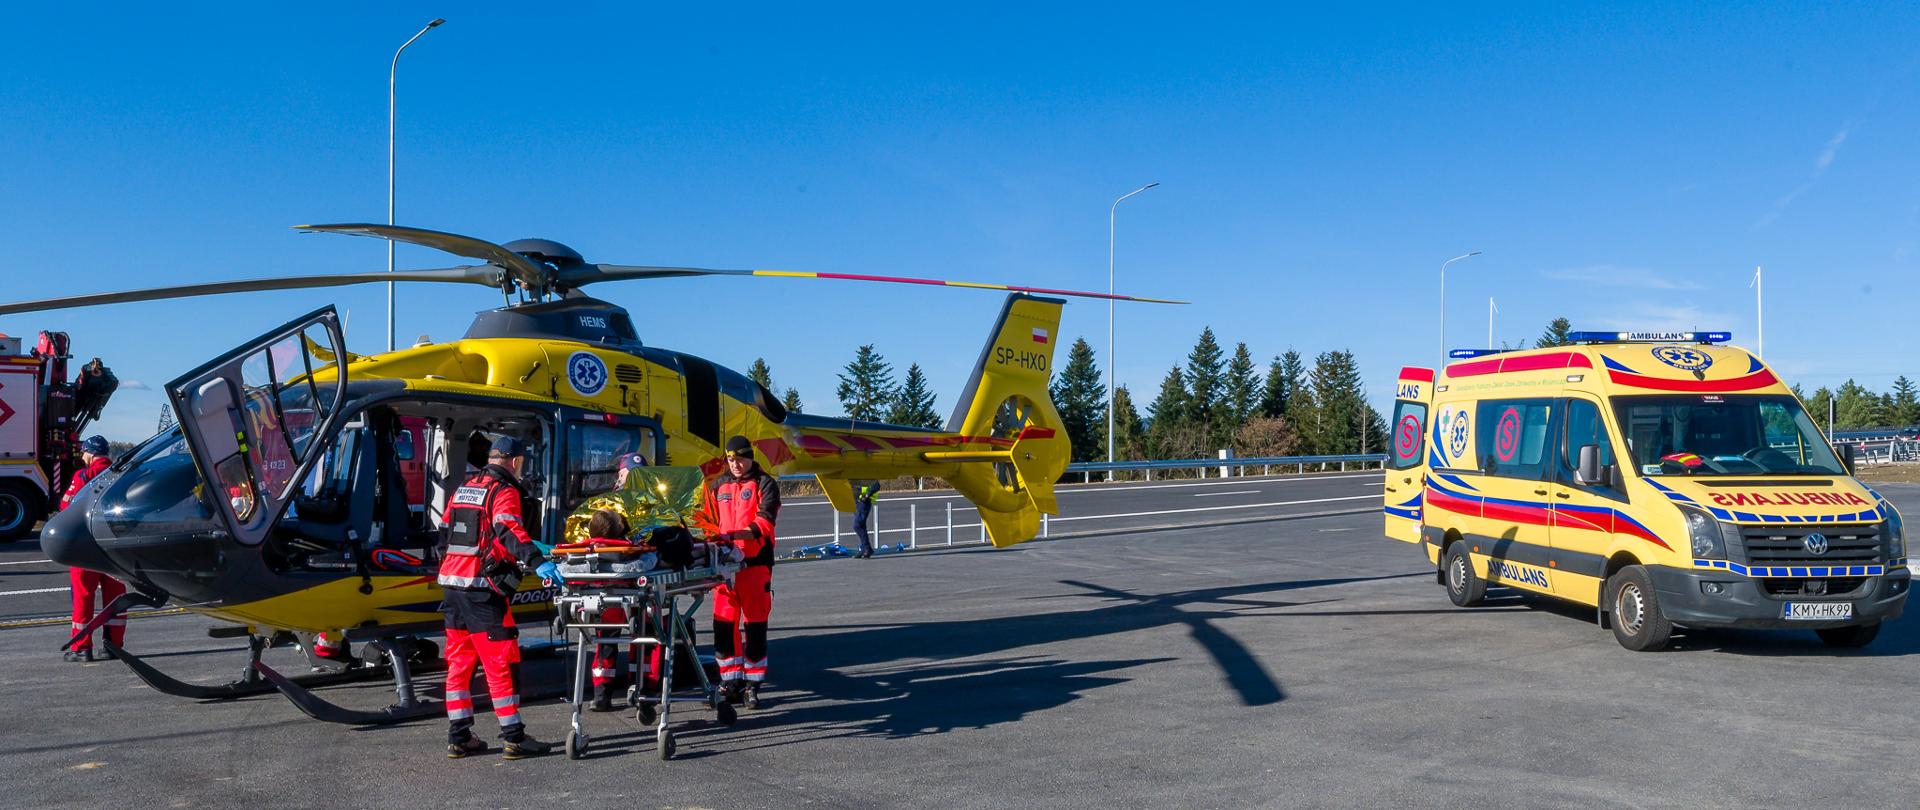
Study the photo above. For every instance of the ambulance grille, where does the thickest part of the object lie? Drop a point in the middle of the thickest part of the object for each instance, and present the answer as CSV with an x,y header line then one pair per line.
x,y
627,373
1787,545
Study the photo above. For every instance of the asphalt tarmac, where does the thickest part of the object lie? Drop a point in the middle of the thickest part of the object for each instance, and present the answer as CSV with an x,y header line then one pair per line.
x,y
1274,661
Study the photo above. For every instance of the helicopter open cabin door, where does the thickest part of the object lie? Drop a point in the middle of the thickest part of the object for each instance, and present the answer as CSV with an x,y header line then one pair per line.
x,y
256,418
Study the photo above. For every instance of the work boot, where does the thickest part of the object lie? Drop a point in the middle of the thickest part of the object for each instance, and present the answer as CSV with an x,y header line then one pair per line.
x,y
602,702
77,656
753,697
525,747
472,745
736,691
107,655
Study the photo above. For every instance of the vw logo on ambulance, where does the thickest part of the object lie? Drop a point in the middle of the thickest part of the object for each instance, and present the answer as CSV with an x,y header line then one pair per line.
x,y
1815,543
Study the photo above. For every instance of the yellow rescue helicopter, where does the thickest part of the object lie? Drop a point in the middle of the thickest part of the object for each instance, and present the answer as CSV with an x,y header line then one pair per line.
x,y
301,492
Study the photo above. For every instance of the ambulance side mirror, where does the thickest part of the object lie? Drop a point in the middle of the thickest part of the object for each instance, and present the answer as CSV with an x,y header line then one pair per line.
x,y
1846,458
1590,473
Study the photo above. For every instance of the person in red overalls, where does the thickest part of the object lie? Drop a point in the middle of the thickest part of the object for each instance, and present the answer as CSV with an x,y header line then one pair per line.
x,y
485,550
86,584
744,502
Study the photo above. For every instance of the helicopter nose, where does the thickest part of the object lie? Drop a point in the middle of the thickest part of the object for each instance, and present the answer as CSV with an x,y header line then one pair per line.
x,y
68,540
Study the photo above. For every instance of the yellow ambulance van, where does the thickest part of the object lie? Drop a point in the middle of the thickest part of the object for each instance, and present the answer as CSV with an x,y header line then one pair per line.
x,y
1663,478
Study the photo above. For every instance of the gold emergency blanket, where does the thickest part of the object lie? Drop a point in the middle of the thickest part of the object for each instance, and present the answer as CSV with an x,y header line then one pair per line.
x,y
652,497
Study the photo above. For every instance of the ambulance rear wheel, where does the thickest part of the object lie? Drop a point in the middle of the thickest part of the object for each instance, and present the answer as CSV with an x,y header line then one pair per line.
x,y
1464,587
20,508
665,739
1638,623
1850,637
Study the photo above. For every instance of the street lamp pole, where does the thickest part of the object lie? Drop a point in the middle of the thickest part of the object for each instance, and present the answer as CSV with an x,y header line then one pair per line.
x,y
1443,301
1111,211
393,74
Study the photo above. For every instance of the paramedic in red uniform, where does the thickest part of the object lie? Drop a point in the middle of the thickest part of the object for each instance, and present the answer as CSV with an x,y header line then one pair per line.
x,y
745,501
485,552
85,584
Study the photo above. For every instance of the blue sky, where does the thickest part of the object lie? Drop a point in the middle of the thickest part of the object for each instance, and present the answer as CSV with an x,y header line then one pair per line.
x,y
1626,166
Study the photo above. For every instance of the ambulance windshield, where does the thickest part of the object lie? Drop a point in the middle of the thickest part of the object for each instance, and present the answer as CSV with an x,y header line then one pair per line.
x,y
1723,434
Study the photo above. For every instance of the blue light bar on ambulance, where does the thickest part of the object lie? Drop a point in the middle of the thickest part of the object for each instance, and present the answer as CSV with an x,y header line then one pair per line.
x,y
1650,337
1468,354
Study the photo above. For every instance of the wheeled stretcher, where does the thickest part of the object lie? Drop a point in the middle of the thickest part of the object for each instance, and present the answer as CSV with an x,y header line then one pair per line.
x,y
658,604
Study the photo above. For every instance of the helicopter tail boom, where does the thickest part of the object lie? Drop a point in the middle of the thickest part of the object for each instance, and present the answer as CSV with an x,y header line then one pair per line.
x,y
1016,445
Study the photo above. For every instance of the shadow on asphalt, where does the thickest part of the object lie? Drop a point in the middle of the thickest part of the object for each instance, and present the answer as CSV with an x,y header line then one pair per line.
x,y
1898,637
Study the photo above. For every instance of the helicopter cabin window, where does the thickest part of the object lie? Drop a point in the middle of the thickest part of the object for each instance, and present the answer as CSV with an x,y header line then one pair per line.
x,y
594,452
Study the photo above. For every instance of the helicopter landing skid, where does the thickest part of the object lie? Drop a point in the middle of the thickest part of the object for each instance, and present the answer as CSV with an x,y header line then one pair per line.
x,y
409,705
245,687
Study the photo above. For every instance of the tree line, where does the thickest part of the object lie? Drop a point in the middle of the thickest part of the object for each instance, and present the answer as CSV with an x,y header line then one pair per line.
x,y
1217,400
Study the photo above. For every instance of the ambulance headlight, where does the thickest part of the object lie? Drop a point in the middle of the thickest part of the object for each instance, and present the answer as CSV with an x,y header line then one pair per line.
x,y
1704,532
1896,535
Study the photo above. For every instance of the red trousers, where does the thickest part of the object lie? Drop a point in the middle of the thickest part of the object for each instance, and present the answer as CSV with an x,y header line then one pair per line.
x,y
606,657
740,613
498,654
85,584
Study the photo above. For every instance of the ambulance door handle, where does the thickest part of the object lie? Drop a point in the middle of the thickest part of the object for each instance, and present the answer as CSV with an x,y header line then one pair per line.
x,y
1563,494
1540,491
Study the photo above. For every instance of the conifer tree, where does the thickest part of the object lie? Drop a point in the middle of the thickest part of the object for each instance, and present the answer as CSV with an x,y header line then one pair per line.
x,y
1169,409
1129,439
913,402
1905,410
1559,333
760,373
1341,420
791,401
1206,385
866,388
1243,389
1080,397
1285,375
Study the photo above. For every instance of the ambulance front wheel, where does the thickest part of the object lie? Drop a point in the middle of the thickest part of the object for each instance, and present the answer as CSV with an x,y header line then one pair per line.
x,y
1464,587
1859,635
1638,623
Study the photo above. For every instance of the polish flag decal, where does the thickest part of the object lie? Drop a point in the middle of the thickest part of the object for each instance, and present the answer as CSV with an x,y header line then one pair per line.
x,y
1039,335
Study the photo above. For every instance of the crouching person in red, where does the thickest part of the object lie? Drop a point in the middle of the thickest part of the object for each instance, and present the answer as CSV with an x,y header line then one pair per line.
x,y
86,585
486,551
744,502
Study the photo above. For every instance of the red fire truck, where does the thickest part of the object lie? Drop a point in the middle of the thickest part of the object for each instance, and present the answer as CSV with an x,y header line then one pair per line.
x,y
42,416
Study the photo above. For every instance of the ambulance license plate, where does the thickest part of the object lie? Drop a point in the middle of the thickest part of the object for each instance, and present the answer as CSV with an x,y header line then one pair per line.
x,y
1819,611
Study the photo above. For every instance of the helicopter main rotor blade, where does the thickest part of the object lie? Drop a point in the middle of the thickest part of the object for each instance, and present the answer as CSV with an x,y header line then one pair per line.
x,y
485,275
524,270
588,274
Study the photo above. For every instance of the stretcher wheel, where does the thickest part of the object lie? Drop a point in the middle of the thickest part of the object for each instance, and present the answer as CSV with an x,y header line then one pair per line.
x,y
727,714
576,745
645,713
665,739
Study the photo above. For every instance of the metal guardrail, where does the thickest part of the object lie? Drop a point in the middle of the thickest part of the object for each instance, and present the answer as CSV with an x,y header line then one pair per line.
x,y
1266,463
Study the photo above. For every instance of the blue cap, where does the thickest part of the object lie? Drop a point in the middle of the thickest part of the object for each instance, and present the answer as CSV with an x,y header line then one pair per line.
x,y
96,445
507,447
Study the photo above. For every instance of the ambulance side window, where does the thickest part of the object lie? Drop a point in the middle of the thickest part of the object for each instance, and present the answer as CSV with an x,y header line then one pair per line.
x,y
1584,427
1409,432
1513,438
